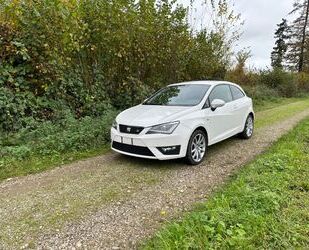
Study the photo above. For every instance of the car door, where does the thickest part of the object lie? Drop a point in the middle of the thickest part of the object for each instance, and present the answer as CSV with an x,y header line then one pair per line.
x,y
240,106
220,122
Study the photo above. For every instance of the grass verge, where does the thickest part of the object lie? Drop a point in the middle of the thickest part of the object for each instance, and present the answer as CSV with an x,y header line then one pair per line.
x,y
280,112
38,163
275,102
265,206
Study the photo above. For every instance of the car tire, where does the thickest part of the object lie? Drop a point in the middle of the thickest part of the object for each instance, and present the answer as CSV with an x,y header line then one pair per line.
x,y
248,128
197,147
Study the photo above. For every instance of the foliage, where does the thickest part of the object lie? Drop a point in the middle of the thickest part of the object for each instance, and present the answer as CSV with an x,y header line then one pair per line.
x,y
89,56
239,74
265,206
241,57
298,53
278,53
42,145
302,82
271,83
66,135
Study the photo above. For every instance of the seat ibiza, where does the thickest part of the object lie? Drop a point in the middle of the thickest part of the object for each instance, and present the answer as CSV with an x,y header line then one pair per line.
x,y
182,120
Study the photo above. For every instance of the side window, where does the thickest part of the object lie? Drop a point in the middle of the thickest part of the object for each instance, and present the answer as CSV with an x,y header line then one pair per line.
x,y
236,92
222,92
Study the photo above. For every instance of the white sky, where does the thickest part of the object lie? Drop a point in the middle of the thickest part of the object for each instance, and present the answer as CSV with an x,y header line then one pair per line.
x,y
261,18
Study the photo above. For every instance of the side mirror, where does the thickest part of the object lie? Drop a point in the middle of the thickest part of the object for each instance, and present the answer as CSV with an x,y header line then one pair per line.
x,y
217,103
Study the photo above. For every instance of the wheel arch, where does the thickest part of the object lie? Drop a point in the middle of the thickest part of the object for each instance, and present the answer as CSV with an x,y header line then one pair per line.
x,y
204,130
246,117
199,127
252,114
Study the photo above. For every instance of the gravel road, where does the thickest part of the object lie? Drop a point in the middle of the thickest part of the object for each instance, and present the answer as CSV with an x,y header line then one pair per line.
x,y
72,207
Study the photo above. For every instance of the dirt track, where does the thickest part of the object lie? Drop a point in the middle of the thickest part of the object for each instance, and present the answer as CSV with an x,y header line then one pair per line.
x,y
114,201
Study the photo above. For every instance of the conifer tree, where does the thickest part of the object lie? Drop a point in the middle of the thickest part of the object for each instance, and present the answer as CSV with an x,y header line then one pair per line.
x,y
298,53
278,53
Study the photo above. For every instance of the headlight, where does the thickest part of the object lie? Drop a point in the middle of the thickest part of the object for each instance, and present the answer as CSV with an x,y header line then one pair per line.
x,y
166,128
115,125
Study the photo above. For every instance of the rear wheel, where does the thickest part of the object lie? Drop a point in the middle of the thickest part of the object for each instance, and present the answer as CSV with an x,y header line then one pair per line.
x,y
249,127
196,147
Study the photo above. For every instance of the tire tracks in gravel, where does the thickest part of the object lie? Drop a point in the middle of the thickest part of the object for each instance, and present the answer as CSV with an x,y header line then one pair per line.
x,y
123,224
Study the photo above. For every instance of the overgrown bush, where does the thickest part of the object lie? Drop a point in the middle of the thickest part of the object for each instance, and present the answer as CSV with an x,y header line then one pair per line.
x,y
67,135
302,82
261,92
279,80
91,55
270,84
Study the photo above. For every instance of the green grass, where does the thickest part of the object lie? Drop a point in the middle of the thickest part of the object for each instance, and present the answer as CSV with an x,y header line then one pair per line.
x,y
266,206
275,102
269,112
38,163
280,112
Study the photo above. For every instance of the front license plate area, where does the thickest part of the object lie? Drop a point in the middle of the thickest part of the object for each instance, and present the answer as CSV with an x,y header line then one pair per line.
x,y
127,140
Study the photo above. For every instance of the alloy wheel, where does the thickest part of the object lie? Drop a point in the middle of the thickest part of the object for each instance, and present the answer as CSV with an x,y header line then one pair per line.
x,y
249,126
198,147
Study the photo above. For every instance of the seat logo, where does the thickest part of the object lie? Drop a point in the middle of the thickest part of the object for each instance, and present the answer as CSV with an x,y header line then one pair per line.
x,y
128,129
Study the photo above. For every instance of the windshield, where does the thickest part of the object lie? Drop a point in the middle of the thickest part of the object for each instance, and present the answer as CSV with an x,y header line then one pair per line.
x,y
179,95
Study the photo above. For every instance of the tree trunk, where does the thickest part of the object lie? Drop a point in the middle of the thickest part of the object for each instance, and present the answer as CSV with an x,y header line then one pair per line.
x,y
302,48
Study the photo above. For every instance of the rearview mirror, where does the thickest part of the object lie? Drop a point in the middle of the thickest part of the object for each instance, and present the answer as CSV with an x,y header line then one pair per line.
x,y
217,103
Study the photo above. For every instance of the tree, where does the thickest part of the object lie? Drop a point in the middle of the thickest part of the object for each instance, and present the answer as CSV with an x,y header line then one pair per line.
x,y
238,73
241,58
218,17
298,46
278,53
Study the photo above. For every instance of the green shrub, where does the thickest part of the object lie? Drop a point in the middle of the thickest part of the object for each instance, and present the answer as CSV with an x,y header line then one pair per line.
x,y
302,82
261,94
66,135
274,78
89,54
280,80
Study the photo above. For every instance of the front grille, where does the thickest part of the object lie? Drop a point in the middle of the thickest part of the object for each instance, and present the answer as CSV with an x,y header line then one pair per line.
x,y
130,129
132,149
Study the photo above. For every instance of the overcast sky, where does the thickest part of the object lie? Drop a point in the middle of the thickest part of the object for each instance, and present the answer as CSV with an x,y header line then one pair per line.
x,y
261,18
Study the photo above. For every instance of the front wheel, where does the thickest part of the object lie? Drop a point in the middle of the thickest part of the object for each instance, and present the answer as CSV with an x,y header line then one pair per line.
x,y
249,127
197,147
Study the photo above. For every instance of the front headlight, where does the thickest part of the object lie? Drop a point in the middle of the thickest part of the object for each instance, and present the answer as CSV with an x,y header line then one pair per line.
x,y
166,128
115,125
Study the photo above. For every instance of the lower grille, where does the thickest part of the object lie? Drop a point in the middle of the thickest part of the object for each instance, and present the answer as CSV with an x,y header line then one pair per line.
x,y
132,149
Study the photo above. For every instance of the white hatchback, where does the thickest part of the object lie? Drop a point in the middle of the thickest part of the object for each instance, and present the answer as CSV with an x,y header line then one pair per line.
x,y
182,120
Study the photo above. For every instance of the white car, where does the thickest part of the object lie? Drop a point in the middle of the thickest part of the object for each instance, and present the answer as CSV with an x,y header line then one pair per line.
x,y
182,120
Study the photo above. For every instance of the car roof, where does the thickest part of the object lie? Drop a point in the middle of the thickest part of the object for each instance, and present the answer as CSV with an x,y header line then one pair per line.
x,y
211,83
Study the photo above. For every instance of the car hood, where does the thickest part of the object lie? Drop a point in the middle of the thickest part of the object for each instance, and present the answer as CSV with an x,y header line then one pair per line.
x,y
148,115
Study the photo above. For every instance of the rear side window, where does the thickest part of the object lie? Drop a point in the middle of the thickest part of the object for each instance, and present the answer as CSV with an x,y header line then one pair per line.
x,y
222,92
236,92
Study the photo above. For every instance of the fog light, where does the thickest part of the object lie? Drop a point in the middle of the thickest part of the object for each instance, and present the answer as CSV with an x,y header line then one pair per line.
x,y
171,150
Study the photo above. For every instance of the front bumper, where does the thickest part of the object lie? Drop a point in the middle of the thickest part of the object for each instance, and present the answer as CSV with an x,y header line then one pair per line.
x,y
149,146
